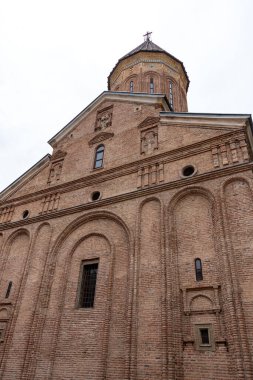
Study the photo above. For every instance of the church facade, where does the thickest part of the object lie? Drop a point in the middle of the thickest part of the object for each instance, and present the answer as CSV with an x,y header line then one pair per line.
x,y
127,254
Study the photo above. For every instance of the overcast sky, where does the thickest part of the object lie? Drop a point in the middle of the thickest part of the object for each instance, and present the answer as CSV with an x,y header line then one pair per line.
x,y
56,56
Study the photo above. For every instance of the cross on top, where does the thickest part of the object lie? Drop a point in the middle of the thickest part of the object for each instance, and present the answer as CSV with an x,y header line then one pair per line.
x,y
147,36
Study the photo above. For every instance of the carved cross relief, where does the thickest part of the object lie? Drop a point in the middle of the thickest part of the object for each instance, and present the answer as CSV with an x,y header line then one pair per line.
x,y
104,119
56,167
149,140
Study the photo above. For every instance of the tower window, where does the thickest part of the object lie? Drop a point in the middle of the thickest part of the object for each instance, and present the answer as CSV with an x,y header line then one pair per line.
x,y
99,157
171,93
198,270
131,86
88,284
151,86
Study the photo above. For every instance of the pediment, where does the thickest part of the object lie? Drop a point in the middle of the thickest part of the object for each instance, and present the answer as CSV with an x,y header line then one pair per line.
x,y
149,121
101,137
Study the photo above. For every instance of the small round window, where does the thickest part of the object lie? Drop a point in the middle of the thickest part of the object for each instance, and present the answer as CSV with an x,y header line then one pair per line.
x,y
188,171
25,214
95,196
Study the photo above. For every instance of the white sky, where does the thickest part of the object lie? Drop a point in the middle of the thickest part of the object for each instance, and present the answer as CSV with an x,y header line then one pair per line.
x,y
56,56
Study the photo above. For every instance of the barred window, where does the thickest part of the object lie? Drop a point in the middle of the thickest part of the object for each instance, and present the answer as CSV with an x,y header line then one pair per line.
x,y
131,86
88,284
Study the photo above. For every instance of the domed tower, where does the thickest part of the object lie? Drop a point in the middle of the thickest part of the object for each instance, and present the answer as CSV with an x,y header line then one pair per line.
x,y
150,69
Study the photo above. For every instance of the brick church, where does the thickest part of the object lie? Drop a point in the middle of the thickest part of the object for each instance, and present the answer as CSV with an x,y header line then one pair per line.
x,y
127,254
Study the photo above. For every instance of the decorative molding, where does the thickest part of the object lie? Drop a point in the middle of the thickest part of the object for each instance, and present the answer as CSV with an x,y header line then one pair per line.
x,y
150,175
56,166
131,195
58,155
50,203
210,293
6,214
104,118
132,167
230,152
149,121
101,137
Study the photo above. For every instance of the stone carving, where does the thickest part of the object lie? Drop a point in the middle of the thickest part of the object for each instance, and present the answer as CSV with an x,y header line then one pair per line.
x,y
230,152
5,309
100,137
6,214
56,167
104,119
58,155
149,121
149,175
50,203
149,140
201,300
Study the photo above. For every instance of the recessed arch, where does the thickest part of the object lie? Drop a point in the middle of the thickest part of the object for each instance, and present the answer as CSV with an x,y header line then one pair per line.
x,y
14,234
67,252
191,190
127,83
4,313
234,179
201,302
156,81
84,219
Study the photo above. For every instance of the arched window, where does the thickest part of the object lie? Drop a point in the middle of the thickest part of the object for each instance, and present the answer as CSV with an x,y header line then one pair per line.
x,y
151,86
131,86
99,157
198,270
8,290
171,93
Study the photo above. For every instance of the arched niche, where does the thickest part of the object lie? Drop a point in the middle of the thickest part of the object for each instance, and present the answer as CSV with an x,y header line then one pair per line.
x,y
150,285
103,328
193,228
16,250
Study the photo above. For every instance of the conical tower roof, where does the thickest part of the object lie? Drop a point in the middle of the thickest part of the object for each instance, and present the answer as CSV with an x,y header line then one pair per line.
x,y
147,45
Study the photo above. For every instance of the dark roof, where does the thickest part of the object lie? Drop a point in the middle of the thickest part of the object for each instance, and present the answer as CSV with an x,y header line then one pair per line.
x,y
148,46
145,46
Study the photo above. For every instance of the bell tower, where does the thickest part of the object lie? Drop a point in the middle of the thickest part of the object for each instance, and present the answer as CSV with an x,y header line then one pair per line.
x,y
150,69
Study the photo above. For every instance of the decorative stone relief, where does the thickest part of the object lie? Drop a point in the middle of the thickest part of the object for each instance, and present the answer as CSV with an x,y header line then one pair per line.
x,y
100,137
150,175
201,300
230,152
104,119
149,140
5,309
149,121
56,167
50,203
6,214
202,304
